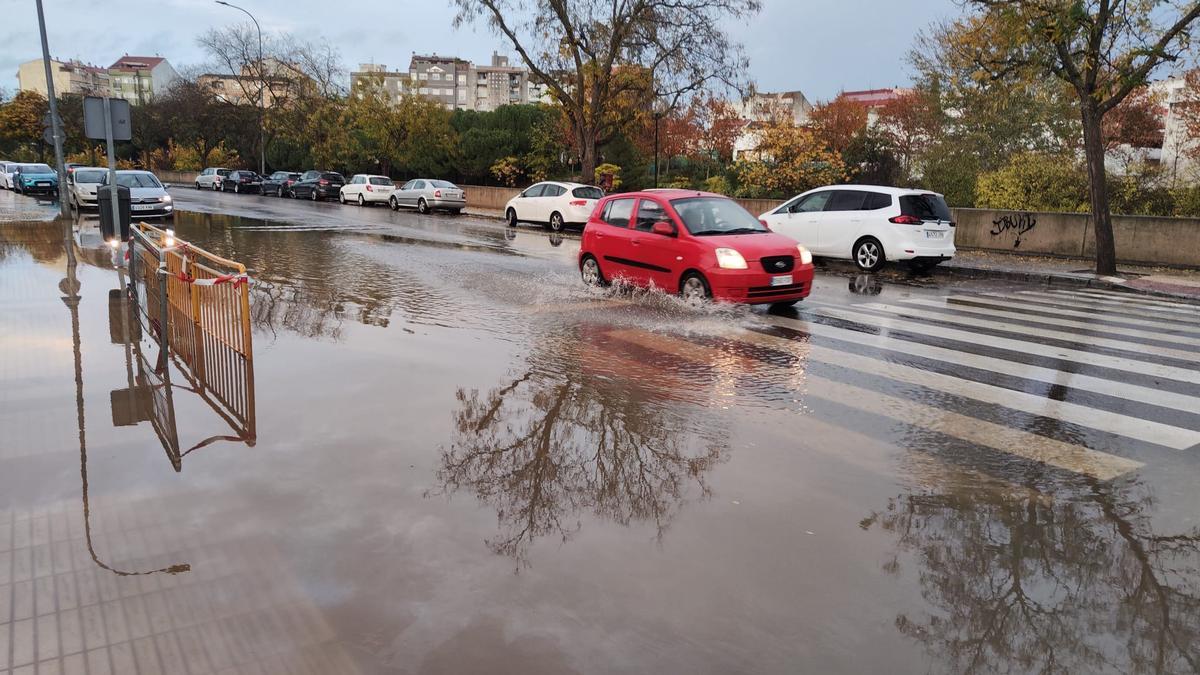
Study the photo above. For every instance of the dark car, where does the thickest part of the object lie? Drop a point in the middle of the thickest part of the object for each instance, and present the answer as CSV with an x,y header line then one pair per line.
x,y
279,183
318,185
241,181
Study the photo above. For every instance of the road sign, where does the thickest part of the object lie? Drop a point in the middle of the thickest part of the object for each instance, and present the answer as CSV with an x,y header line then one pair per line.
x,y
48,128
93,118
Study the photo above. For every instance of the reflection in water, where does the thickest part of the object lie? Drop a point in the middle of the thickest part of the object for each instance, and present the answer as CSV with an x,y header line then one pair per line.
x,y
865,284
559,440
1020,580
70,286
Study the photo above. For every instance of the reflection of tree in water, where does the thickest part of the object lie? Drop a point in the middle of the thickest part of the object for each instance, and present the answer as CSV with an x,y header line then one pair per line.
x,y
1023,582
544,448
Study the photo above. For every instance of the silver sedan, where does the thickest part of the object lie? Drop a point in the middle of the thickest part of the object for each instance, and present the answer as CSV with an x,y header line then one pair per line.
x,y
425,195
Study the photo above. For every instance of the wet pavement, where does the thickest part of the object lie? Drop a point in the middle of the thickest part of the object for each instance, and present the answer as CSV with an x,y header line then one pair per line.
x,y
464,461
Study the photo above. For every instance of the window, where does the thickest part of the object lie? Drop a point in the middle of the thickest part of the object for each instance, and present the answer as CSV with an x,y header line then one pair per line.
x,y
588,192
423,76
89,177
717,215
462,95
462,79
424,90
443,184
648,213
435,76
135,180
846,200
876,200
617,212
381,180
206,172
925,207
535,191
222,172
418,185
554,191
813,202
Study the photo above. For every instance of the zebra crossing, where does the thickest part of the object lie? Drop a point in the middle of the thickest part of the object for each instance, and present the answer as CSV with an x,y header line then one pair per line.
x,y
1086,381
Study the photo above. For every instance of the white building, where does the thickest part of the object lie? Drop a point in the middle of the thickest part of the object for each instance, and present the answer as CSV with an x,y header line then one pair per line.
x,y
456,83
139,79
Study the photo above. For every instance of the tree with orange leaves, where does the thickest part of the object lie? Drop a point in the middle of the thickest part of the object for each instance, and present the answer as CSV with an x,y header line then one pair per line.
x,y
838,122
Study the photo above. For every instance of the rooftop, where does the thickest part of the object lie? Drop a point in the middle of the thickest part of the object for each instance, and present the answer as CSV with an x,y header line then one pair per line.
x,y
136,63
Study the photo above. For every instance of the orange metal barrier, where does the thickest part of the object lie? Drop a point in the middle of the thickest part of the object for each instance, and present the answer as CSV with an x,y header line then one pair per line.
x,y
207,316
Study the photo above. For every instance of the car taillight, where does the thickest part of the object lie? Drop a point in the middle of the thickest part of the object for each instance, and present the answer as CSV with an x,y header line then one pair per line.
x,y
322,182
905,220
369,188
437,193
579,202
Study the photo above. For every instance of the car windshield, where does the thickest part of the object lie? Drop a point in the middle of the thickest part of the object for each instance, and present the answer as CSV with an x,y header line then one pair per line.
x,y
222,172
442,184
36,168
135,180
704,216
925,207
91,176
588,193
380,180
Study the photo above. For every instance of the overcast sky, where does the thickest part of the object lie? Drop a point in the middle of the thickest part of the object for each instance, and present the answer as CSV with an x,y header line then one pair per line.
x,y
816,46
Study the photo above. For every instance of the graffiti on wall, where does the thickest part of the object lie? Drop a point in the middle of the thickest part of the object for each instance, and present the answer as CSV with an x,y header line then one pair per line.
x,y
1014,222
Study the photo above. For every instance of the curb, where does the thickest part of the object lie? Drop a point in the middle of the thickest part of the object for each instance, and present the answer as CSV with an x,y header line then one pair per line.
x,y
1053,278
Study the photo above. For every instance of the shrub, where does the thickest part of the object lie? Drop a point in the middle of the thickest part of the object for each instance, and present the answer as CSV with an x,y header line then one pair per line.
x,y
607,169
717,184
506,170
1035,182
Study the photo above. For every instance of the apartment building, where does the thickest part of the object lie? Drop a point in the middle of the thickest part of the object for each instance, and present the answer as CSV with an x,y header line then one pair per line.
x,y
139,79
69,77
456,83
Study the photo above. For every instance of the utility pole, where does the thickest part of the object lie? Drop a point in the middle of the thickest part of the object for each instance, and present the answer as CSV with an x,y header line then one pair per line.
x,y
262,86
55,123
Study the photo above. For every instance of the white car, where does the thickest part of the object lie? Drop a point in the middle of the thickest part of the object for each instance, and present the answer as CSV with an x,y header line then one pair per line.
x,y
82,182
148,197
869,224
210,178
366,189
554,204
7,169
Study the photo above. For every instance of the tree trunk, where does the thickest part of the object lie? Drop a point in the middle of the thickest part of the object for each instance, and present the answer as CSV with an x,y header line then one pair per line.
x,y
1093,150
587,156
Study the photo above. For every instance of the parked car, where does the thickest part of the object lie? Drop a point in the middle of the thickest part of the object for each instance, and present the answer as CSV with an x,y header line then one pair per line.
x,y
869,225
6,173
317,185
210,178
553,204
425,195
698,244
82,183
278,183
241,181
366,189
148,197
35,179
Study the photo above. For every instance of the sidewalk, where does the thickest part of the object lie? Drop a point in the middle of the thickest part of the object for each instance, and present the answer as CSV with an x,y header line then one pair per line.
x,y
1179,284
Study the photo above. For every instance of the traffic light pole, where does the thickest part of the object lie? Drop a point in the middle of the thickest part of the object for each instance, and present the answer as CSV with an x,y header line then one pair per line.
x,y
56,129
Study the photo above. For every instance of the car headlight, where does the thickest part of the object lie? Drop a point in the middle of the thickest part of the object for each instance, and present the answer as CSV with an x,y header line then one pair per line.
x,y
805,255
166,199
729,259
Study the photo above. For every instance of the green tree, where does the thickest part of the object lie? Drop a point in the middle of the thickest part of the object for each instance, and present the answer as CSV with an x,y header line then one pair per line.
x,y
21,124
1101,49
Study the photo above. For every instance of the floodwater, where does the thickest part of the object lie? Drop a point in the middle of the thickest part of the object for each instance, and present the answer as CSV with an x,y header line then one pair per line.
x,y
462,461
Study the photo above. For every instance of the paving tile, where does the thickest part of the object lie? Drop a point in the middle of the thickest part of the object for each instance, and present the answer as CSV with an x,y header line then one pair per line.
x,y
123,660
75,664
92,621
43,595
97,662
5,631
47,637
70,628
22,603
66,592
23,646
148,662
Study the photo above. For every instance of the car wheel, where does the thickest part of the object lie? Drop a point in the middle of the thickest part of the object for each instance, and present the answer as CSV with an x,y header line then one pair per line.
x,y
394,204
455,212
215,186
341,198
556,222
313,195
237,189
361,201
511,216
197,185
589,269
694,289
868,254
422,207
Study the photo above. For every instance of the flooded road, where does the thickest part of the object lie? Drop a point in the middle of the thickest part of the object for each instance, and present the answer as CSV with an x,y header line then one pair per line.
x,y
463,461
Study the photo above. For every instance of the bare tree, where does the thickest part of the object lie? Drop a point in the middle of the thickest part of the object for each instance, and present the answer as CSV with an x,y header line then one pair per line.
x,y
592,53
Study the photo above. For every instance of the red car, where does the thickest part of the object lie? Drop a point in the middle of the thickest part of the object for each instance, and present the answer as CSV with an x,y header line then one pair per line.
x,y
700,244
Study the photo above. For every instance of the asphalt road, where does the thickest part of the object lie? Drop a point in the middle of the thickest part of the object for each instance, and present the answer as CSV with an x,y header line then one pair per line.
x,y
467,462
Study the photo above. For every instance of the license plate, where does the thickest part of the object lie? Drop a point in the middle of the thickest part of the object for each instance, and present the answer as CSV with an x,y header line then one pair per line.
x,y
934,234
143,207
782,280
42,183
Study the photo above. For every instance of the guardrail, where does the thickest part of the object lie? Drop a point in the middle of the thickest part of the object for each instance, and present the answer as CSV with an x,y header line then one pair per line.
x,y
198,303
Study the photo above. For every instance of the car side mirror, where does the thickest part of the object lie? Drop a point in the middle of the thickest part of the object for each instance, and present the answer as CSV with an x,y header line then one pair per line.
x,y
664,228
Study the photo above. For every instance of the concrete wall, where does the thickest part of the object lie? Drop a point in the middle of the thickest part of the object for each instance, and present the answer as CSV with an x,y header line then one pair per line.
x,y
1139,239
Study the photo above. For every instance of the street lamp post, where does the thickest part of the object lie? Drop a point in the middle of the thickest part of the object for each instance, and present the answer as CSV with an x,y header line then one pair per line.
x,y
262,85
55,123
